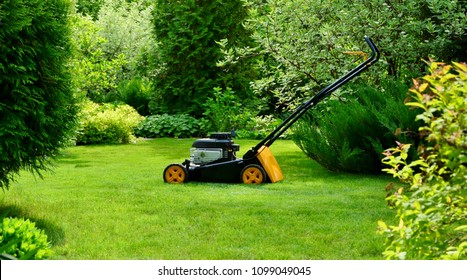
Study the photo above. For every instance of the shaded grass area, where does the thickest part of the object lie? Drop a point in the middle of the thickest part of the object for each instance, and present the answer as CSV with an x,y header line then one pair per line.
x,y
110,202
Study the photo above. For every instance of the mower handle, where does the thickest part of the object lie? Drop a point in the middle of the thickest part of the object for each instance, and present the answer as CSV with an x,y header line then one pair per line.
x,y
288,122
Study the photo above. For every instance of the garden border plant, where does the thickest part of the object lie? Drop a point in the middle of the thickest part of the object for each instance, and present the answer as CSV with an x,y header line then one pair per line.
x,y
21,239
432,209
107,123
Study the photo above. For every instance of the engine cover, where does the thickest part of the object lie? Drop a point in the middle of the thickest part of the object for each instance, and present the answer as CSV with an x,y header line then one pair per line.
x,y
218,146
203,155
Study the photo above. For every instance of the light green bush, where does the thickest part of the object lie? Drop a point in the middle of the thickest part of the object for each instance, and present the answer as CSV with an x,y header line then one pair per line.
x,y
21,239
432,209
107,124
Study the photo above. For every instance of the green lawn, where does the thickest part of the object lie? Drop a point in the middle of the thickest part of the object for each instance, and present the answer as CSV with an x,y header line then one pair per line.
x,y
110,202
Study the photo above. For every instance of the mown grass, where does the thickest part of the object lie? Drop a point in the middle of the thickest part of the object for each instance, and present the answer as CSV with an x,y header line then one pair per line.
x,y
110,202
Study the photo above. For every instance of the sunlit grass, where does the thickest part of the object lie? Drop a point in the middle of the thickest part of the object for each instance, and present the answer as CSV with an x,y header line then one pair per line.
x,y
110,202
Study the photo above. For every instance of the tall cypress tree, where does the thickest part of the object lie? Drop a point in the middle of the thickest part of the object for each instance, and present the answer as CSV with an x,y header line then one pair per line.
x,y
37,109
187,31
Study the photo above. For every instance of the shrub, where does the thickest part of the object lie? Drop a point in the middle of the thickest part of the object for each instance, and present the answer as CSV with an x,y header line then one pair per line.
x,y
432,214
37,108
181,125
350,133
259,127
21,239
225,112
135,92
107,124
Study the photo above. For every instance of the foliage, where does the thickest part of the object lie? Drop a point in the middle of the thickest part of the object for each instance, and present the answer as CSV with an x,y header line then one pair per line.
x,y
127,29
94,74
21,239
107,123
350,131
432,213
225,111
180,126
305,44
135,92
92,7
259,127
187,31
89,7
116,46
37,109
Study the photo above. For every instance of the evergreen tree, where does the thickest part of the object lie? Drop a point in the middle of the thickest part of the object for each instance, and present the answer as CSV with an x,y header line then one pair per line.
x,y
188,32
37,109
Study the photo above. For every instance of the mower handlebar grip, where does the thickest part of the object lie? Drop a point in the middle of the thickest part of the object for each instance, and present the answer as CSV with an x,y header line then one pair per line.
x,y
375,54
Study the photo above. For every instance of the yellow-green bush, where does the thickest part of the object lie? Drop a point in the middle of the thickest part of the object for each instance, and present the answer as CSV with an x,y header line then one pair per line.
x,y
107,124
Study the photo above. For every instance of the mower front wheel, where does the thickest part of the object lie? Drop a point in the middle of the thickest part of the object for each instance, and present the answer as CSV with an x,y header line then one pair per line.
x,y
175,174
253,174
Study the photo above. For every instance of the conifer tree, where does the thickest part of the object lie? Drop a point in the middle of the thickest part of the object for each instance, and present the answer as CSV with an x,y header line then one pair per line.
x,y
37,109
188,32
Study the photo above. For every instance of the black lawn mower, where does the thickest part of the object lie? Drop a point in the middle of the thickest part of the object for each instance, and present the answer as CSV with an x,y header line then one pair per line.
x,y
214,159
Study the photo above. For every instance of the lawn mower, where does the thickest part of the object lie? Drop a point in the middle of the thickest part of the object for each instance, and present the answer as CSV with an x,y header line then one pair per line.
x,y
214,159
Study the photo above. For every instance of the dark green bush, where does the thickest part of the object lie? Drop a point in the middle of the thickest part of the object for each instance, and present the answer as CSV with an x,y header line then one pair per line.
x,y
107,124
187,32
21,239
351,133
180,125
37,109
136,93
225,111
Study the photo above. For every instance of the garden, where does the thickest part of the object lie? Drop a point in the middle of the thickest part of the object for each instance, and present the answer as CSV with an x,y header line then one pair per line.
x,y
99,96
110,202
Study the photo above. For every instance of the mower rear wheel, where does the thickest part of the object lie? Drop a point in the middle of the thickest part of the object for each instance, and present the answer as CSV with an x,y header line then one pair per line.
x,y
253,174
175,173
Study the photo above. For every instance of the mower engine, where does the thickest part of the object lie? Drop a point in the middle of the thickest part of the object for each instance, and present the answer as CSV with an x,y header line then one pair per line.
x,y
218,147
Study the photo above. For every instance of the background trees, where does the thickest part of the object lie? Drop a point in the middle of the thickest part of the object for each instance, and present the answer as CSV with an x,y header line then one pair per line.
x,y
188,32
307,39
37,109
113,53
251,62
306,44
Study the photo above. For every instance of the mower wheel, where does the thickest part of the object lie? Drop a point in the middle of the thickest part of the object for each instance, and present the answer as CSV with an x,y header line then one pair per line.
x,y
253,174
175,173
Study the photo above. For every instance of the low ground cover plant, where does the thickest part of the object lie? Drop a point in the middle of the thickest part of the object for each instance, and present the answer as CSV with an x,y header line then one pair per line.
x,y
165,125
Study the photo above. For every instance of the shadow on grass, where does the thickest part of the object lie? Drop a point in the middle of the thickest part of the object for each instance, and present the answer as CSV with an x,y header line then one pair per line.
x,y
55,234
